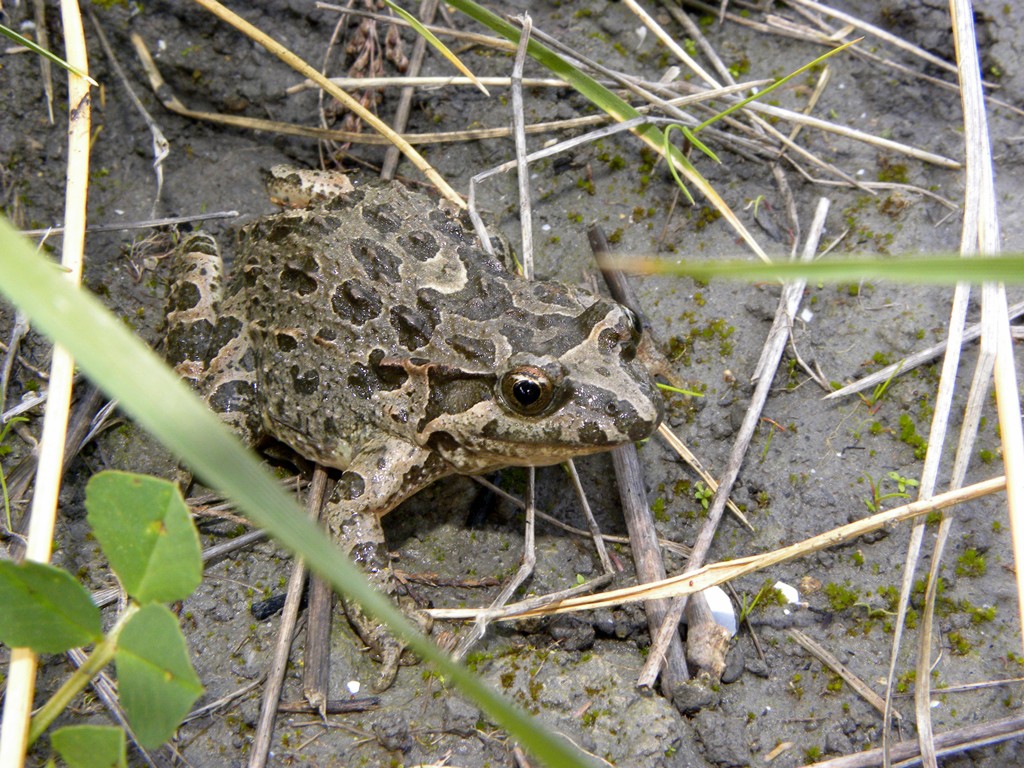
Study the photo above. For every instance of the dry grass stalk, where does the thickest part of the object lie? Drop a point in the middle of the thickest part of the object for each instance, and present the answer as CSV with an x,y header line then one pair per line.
x,y
718,573
971,333
677,445
948,743
307,71
426,83
22,668
823,655
670,546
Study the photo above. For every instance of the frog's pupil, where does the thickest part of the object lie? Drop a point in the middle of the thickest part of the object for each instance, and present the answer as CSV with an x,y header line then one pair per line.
x,y
526,391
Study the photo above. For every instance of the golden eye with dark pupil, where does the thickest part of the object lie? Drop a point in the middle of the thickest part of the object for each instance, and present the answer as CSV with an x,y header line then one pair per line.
x,y
527,390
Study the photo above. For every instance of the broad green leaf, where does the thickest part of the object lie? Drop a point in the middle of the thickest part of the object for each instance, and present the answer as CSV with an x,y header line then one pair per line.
x,y
154,675
145,530
45,609
150,392
91,746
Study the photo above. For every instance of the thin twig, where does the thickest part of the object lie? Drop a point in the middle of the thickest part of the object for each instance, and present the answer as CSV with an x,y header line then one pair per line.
x,y
823,655
770,357
106,691
167,221
387,172
588,515
526,567
519,134
275,676
951,742
915,360
671,546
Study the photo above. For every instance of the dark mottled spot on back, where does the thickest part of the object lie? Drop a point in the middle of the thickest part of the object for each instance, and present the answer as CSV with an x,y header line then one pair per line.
x,y
251,275
380,264
414,326
519,335
473,348
228,328
304,382
355,303
232,396
360,379
297,281
186,296
388,376
420,245
327,334
345,201
275,229
552,293
285,342
350,486
382,218
483,299
441,222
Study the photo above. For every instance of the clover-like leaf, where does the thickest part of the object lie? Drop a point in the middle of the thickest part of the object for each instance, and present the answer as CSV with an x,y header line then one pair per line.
x,y
45,609
145,530
155,678
91,746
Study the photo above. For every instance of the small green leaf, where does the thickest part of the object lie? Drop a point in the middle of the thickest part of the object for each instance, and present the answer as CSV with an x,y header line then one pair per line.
x,y
154,675
45,609
91,746
145,530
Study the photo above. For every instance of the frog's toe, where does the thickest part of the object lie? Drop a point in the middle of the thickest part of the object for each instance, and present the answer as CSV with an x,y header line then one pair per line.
x,y
390,660
384,646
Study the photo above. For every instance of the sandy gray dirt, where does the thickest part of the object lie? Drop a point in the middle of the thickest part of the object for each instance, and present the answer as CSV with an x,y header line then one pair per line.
x,y
811,467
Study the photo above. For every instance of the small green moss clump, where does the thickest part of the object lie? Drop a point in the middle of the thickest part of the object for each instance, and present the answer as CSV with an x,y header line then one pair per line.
x,y
909,435
958,644
841,597
971,564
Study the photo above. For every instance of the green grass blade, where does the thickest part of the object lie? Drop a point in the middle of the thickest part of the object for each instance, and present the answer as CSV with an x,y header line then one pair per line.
x,y
148,390
931,270
777,84
440,47
20,40
614,106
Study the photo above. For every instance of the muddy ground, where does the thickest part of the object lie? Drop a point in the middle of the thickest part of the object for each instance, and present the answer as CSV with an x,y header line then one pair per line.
x,y
812,466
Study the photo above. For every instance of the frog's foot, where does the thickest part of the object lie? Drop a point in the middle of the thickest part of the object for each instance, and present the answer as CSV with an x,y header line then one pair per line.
x,y
384,646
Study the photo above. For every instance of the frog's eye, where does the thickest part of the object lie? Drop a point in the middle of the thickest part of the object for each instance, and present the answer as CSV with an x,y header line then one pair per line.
x,y
527,390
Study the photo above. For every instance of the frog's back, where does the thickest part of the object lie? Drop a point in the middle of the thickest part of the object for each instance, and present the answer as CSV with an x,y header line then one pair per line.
x,y
329,292
376,314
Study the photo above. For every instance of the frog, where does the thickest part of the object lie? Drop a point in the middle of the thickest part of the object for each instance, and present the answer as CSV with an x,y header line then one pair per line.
x,y
371,333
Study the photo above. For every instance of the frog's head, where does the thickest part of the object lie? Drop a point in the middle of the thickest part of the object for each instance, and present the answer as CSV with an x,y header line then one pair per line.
x,y
565,387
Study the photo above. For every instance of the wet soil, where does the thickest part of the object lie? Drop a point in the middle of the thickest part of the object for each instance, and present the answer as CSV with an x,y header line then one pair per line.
x,y
813,465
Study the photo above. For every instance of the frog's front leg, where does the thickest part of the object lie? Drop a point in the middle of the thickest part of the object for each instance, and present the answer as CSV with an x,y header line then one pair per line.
x,y
381,476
